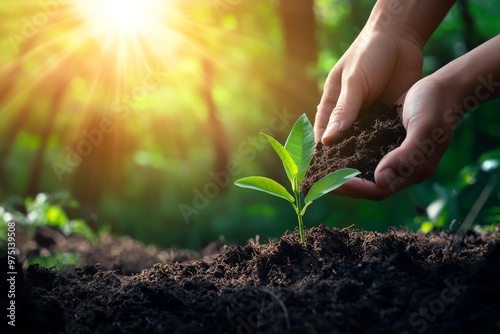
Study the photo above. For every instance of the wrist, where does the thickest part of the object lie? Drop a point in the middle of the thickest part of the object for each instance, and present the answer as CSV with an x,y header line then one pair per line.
x,y
387,18
450,93
473,78
452,87
414,21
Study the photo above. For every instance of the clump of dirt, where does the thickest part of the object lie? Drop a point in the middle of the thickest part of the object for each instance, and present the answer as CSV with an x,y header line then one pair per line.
x,y
341,281
377,131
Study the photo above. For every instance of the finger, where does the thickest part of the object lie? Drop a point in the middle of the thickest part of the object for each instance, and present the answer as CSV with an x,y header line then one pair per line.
x,y
323,112
328,101
344,114
359,188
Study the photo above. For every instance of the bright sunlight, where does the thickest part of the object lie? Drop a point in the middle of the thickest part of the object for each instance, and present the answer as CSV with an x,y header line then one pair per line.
x,y
132,32
123,17
125,13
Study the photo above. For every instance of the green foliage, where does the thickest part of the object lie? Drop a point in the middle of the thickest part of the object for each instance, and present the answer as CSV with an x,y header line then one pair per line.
x,y
296,156
135,179
58,261
300,145
455,200
47,211
289,164
266,185
329,183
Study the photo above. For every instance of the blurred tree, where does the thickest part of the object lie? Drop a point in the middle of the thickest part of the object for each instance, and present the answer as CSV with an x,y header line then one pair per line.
x,y
55,98
221,75
299,89
214,127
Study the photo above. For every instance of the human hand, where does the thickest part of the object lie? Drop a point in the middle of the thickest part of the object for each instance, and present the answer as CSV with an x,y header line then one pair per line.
x,y
378,66
430,124
431,113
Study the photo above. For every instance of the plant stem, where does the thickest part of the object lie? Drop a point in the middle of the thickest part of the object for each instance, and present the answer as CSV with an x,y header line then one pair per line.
x,y
298,200
301,229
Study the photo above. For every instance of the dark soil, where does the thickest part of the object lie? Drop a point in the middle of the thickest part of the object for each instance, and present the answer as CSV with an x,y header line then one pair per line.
x,y
377,131
341,281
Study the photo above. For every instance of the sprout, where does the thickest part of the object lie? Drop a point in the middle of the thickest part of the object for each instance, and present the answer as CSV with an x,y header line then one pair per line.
x,y
296,156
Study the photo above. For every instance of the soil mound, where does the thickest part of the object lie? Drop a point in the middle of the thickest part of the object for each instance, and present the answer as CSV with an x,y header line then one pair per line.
x,y
341,281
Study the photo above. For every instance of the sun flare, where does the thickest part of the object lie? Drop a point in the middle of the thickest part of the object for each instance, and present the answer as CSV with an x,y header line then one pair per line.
x,y
135,33
123,17
124,13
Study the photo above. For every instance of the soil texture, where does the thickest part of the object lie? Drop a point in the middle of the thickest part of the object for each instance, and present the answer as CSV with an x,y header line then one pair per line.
x,y
340,281
377,131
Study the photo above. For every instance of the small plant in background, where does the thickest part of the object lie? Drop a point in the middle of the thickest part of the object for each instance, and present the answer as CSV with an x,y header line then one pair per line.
x,y
47,211
296,156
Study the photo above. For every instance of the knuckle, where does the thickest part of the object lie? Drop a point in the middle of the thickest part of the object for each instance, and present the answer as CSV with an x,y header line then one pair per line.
x,y
320,110
322,115
353,78
331,83
340,108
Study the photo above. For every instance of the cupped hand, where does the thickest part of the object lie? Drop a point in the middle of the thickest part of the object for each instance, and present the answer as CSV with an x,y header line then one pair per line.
x,y
377,66
430,122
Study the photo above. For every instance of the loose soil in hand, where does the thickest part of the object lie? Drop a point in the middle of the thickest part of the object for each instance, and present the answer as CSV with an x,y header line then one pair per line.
x,y
377,131
341,281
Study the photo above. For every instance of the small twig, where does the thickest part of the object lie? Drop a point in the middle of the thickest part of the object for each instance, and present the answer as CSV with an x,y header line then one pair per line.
x,y
474,211
280,303
347,227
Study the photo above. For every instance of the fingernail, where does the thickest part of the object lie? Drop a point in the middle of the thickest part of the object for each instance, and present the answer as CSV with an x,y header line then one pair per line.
x,y
385,177
334,127
331,130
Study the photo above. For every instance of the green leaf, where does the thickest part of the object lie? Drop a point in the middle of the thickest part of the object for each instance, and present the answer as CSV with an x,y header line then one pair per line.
x,y
79,226
58,260
300,145
55,216
330,182
266,185
290,166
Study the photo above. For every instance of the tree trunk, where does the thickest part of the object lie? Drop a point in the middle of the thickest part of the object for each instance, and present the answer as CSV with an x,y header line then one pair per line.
x,y
36,172
299,89
215,128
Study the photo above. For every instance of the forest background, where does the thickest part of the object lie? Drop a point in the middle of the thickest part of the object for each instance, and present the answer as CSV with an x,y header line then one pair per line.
x,y
146,120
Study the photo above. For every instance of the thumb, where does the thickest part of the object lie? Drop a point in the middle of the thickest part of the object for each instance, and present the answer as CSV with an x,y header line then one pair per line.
x,y
344,114
413,162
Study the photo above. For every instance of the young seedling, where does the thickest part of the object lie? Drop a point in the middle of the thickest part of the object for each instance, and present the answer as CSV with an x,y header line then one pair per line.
x,y
296,156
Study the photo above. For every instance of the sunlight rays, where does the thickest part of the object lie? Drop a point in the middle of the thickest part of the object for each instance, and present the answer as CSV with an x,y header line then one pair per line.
x,y
124,28
114,46
115,43
122,16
